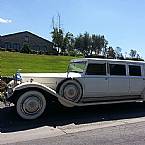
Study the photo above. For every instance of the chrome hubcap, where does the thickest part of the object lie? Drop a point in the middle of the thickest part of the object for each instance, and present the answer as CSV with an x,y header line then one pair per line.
x,y
32,105
70,91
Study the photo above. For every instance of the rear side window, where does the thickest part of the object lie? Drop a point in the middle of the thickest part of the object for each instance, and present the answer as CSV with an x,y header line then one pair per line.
x,y
117,69
96,69
134,70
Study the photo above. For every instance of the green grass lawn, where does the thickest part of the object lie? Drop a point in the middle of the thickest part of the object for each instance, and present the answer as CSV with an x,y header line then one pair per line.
x,y
12,61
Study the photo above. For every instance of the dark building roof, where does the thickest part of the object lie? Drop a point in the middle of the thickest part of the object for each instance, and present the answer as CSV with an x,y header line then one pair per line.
x,y
16,41
26,32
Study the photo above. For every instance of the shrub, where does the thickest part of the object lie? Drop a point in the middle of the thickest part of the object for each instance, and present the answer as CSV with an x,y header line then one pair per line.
x,y
25,49
52,52
135,59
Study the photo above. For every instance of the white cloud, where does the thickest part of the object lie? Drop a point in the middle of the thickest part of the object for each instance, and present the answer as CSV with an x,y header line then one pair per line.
x,y
5,21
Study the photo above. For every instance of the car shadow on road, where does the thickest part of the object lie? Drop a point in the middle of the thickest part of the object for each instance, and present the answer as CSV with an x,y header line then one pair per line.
x,y
58,116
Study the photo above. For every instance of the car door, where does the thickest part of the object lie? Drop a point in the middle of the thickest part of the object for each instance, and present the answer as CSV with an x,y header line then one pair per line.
x,y
118,81
96,80
137,79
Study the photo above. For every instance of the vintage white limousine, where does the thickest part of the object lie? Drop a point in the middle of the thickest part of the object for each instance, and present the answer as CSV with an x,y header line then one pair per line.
x,y
88,81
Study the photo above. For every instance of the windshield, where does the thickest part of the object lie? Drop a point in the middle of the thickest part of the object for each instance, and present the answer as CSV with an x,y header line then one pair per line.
x,y
77,67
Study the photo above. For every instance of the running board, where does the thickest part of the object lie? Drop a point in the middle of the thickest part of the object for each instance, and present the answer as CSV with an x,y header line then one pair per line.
x,y
110,102
68,103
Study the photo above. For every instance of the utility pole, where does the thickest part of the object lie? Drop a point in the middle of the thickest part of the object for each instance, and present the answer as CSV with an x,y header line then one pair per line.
x,y
53,23
58,25
59,21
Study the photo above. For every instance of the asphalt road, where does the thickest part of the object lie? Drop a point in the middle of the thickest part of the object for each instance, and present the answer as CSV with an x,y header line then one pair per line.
x,y
104,124
130,134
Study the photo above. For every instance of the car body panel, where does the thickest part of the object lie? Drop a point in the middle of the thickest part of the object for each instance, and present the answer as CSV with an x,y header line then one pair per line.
x,y
97,89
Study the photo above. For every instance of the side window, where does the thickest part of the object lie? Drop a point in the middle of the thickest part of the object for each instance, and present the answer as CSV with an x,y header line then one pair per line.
x,y
117,69
96,69
134,70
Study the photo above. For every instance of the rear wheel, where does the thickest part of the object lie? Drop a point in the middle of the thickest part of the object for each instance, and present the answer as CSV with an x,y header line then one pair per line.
x,y
31,105
71,90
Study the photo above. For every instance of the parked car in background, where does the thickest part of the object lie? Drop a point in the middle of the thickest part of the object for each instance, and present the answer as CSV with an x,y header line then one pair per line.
x,y
88,81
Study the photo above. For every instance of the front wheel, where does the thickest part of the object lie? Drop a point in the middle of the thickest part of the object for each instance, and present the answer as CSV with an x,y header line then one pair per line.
x,y
31,105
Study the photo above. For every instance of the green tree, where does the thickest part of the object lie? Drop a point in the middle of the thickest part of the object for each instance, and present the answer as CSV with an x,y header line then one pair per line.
x,y
79,43
94,42
91,44
118,52
68,42
57,38
110,52
25,49
133,53
99,44
86,43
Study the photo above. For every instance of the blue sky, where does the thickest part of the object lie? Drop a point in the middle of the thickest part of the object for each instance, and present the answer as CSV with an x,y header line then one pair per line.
x,y
121,21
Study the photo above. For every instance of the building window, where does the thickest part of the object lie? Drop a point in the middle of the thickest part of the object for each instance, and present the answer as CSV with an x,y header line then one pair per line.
x,y
16,46
134,70
26,39
117,69
37,47
45,48
96,69
7,45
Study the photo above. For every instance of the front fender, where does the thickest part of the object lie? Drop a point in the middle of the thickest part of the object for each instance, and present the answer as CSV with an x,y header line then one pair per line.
x,y
19,89
35,85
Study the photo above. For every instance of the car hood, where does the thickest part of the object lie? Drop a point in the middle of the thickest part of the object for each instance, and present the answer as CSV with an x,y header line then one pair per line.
x,y
43,75
50,75
49,79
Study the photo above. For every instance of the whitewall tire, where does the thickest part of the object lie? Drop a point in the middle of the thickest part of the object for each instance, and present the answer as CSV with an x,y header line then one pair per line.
x,y
71,90
31,105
